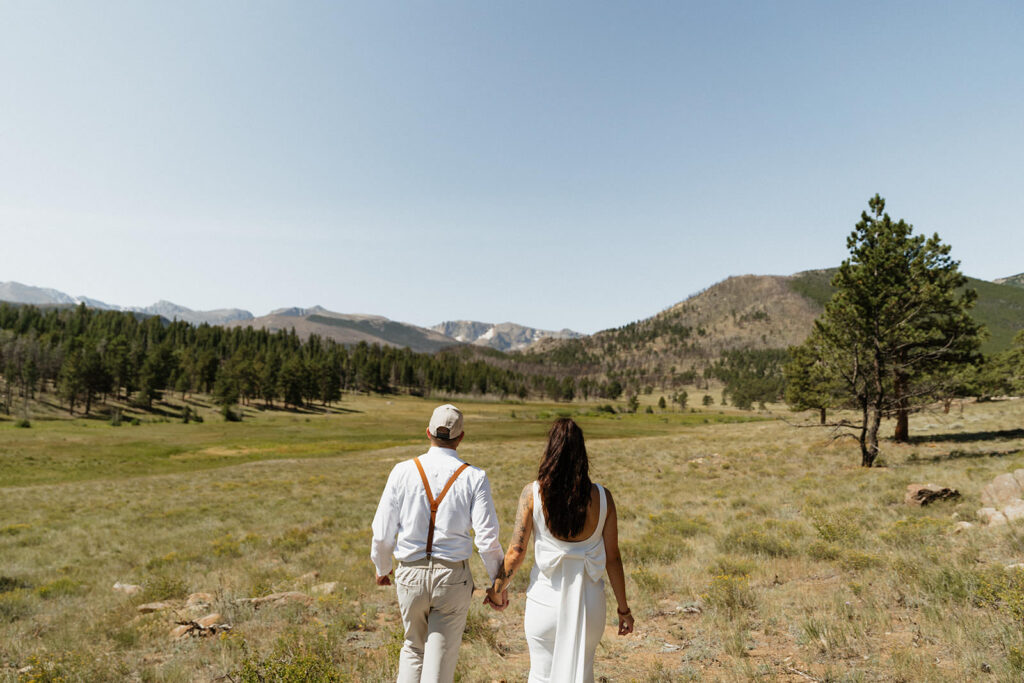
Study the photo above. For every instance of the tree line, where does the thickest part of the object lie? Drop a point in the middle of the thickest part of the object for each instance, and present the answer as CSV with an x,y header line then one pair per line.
x,y
83,355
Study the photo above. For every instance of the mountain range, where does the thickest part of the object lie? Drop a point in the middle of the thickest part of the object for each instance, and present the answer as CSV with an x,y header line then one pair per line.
x,y
741,312
15,292
503,336
341,327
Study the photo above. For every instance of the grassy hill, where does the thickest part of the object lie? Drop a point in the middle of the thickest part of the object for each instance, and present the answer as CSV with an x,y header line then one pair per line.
x,y
1000,307
1015,280
742,312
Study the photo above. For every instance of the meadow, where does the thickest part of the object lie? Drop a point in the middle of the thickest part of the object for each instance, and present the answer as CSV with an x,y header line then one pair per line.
x,y
755,549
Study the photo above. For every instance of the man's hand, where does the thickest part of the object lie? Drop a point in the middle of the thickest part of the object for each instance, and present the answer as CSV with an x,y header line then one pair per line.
x,y
385,580
497,601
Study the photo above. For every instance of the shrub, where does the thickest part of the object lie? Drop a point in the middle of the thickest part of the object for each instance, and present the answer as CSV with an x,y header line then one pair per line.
x,y
291,540
730,593
665,541
646,580
166,587
59,588
293,660
838,528
23,423
856,560
731,566
227,546
821,550
913,531
773,538
14,605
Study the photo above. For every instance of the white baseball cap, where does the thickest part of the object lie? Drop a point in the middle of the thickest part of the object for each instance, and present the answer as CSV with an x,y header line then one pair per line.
x,y
446,422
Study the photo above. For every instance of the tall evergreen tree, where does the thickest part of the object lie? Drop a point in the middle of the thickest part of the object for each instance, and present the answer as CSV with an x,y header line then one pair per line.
x,y
897,325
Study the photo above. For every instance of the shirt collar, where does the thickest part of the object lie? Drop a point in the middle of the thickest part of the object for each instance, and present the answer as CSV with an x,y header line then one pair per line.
x,y
450,452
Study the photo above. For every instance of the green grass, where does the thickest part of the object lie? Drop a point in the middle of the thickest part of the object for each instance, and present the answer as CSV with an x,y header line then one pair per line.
x,y
751,547
56,451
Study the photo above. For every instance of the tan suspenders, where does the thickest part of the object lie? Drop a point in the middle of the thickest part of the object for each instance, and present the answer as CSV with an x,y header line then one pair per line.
x,y
434,502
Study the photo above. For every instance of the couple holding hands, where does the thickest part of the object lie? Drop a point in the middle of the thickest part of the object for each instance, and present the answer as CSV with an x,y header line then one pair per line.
x,y
428,507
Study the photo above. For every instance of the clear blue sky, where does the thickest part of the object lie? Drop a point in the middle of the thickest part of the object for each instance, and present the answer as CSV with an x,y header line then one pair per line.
x,y
554,164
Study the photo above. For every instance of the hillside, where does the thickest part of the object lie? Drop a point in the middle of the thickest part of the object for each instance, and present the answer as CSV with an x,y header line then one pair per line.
x,y
1015,280
1000,305
742,312
503,336
348,328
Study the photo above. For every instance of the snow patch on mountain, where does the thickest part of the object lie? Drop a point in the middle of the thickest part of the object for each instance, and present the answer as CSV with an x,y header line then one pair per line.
x,y
502,336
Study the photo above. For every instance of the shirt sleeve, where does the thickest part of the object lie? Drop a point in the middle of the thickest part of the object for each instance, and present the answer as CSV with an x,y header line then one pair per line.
x,y
385,526
485,524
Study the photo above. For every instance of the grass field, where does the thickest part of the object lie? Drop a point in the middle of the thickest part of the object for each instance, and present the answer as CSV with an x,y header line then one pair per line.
x,y
753,549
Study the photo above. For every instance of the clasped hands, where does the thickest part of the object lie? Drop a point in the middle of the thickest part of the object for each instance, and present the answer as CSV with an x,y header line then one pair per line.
x,y
497,601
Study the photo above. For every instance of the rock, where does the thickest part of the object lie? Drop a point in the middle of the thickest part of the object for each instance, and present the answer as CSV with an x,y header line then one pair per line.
x,y
324,588
154,607
1014,510
199,599
180,631
1019,476
309,578
209,620
127,588
991,516
925,494
281,598
1001,491
1015,567
962,526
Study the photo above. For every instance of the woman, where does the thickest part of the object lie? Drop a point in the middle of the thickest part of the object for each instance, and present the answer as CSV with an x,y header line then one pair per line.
x,y
576,541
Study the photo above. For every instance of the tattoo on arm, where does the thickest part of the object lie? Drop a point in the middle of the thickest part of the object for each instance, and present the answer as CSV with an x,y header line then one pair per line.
x,y
522,515
517,547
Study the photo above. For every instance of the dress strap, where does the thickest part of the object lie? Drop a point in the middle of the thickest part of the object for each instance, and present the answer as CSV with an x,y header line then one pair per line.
x,y
603,515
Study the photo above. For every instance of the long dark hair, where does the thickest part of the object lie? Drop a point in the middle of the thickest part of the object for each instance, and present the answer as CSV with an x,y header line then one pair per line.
x,y
564,479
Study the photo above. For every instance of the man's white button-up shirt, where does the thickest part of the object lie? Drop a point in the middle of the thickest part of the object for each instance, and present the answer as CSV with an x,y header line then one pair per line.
x,y
404,512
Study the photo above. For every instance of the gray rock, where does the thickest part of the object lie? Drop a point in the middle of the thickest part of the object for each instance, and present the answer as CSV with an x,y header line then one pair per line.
x,y
1001,491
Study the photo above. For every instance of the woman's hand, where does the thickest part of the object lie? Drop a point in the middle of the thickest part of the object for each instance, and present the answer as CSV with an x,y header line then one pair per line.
x,y
497,601
625,622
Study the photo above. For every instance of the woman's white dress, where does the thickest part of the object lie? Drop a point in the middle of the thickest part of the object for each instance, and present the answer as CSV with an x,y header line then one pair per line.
x,y
565,603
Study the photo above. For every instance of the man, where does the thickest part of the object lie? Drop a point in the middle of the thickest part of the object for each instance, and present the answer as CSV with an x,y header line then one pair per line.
x,y
430,503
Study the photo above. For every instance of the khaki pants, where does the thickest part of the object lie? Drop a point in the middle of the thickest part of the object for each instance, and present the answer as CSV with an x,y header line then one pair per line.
x,y
434,597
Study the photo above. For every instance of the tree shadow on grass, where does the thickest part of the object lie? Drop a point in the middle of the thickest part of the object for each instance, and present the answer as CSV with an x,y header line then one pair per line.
x,y
966,455
968,437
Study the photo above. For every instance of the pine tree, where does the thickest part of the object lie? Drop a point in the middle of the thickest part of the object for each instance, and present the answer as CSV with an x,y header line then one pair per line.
x,y
898,324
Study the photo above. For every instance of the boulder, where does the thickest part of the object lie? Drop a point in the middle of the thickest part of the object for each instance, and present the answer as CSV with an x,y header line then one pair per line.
x,y
1014,510
209,620
127,588
1019,476
1001,491
991,516
1015,567
925,494
155,607
962,526
199,599
181,631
